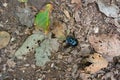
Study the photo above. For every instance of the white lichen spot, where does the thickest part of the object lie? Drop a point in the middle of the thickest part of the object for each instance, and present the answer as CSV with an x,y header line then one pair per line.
x,y
5,4
96,29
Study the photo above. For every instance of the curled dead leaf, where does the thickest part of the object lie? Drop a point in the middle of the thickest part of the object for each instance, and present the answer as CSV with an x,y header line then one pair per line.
x,y
108,8
59,30
77,16
78,2
67,14
98,62
11,63
4,39
107,45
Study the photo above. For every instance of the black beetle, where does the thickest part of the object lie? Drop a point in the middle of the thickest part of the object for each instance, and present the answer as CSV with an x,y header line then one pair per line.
x,y
71,41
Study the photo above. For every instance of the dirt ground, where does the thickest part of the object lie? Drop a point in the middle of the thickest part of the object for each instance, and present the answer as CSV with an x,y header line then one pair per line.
x,y
83,19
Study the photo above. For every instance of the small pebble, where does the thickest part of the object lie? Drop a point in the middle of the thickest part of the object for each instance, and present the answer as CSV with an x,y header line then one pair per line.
x,y
5,4
23,71
12,39
27,65
52,65
39,79
60,56
69,69
33,66
96,29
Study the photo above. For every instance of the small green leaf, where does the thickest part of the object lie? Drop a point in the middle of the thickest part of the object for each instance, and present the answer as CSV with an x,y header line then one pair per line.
x,y
42,19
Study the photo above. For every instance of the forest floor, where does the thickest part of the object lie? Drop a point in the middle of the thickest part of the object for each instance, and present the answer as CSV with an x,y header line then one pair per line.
x,y
84,21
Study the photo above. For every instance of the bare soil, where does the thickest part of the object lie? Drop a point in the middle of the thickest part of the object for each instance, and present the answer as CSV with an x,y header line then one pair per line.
x,y
65,64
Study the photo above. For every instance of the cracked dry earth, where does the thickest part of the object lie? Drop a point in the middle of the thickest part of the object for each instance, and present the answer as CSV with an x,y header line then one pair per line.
x,y
83,20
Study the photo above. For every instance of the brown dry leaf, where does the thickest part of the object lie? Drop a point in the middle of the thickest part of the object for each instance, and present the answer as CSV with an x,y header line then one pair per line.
x,y
84,76
78,2
59,30
98,62
4,39
77,16
11,63
107,45
67,14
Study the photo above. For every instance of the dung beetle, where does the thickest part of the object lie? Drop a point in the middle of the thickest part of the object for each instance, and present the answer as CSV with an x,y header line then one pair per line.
x,y
71,41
